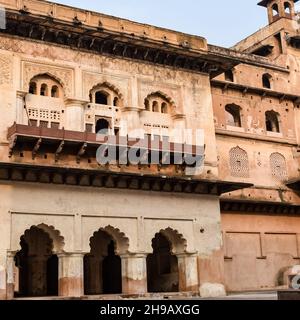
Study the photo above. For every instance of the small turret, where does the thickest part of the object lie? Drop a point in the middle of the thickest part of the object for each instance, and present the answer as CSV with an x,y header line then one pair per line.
x,y
278,9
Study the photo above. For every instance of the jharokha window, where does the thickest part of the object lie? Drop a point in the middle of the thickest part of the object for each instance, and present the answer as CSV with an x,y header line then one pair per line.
x,y
46,86
106,94
158,103
233,115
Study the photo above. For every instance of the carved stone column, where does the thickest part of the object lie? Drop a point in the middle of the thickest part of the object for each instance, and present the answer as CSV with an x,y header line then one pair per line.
x,y
134,274
74,117
70,275
188,273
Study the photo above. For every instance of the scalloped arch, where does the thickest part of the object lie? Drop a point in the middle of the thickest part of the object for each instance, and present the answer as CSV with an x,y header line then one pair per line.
x,y
163,95
109,86
119,238
176,239
49,74
54,234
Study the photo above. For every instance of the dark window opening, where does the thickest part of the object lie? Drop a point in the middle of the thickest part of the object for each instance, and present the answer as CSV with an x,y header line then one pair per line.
x,y
44,90
147,105
229,76
164,108
32,88
116,102
54,92
233,115
266,80
101,98
155,107
275,10
272,121
102,125
287,8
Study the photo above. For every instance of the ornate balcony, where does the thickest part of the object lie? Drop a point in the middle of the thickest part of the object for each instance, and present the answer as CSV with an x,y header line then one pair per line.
x,y
24,138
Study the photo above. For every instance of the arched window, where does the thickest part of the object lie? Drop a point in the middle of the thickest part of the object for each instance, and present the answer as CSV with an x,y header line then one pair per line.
x,y
33,88
102,125
147,105
164,108
229,76
239,164
266,81
155,107
101,97
44,90
272,121
106,94
275,10
278,166
287,8
55,92
233,115
158,102
116,102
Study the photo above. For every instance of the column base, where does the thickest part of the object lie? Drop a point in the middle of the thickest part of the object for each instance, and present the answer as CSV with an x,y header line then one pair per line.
x,y
70,282
70,287
134,274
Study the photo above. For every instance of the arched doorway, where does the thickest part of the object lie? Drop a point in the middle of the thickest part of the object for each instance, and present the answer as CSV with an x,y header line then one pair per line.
x,y
37,265
162,267
102,266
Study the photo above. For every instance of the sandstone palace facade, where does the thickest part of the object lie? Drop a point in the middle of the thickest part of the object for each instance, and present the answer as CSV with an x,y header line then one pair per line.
x,y
70,226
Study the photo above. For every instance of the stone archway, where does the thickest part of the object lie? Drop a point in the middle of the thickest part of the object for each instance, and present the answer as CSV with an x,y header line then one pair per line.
x,y
170,268
37,262
162,267
103,265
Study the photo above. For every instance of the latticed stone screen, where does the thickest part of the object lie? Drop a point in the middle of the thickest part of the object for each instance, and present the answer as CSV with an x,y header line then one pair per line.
x,y
278,166
239,163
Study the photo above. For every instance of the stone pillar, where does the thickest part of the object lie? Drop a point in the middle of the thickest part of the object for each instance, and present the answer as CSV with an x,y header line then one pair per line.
x,y
2,283
188,273
179,121
21,115
134,274
10,280
70,275
74,117
130,121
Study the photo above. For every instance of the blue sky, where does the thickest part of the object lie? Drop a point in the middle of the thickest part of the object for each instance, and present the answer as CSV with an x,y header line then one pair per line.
x,y
222,22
